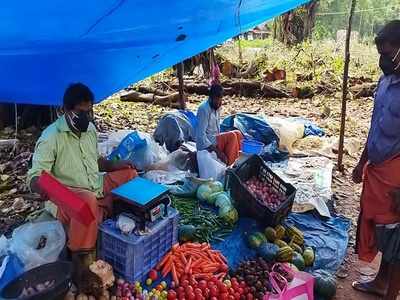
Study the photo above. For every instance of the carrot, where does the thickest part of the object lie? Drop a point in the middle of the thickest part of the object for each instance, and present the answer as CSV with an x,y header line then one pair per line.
x,y
163,261
188,266
167,266
183,259
174,275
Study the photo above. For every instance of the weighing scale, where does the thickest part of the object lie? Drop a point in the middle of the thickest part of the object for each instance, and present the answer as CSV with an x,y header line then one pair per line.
x,y
142,198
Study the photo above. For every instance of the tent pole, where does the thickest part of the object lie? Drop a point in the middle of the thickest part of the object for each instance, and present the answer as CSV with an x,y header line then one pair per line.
x,y
182,102
345,87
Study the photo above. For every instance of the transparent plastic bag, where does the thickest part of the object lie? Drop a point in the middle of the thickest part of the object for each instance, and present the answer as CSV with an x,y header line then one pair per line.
x,y
37,244
209,166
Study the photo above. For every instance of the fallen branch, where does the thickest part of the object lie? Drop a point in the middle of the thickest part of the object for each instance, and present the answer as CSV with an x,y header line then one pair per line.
x,y
171,100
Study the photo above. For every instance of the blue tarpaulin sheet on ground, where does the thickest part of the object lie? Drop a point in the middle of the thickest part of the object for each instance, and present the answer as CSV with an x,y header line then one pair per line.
x,y
45,45
329,238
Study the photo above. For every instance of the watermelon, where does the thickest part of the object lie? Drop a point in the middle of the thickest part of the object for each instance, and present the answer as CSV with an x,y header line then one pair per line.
x,y
268,251
186,233
325,284
298,261
231,216
255,241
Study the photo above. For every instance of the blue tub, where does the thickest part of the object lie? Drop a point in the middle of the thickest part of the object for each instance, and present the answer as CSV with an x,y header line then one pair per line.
x,y
252,146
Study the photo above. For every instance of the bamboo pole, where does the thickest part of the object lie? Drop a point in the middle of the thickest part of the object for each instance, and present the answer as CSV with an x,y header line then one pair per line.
x,y
179,69
345,86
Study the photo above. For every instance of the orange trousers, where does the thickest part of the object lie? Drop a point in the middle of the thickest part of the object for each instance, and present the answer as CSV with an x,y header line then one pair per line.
x,y
376,204
230,143
81,237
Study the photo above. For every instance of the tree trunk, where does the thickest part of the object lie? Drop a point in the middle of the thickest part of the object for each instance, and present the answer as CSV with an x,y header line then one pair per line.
x,y
296,26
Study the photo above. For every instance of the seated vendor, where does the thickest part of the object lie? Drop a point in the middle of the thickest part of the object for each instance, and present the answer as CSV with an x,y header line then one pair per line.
x,y
67,149
208,137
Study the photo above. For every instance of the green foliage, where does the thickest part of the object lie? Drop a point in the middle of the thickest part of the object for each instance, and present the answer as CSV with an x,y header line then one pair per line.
x,y
369,17
258,43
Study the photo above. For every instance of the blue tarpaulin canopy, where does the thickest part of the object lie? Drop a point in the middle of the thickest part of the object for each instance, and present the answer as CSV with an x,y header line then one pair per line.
x,y
47,44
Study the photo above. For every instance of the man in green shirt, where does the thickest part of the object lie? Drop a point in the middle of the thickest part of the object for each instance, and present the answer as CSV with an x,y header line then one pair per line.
x,y
67,149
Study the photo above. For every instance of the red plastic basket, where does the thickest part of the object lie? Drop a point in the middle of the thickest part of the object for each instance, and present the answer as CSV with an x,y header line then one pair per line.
x,y
66,199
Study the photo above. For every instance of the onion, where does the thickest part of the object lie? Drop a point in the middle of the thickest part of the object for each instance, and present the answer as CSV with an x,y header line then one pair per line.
x,y
82,297
120,281
69,296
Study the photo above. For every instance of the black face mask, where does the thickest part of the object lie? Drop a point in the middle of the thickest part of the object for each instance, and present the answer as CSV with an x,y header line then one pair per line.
x,y
388,65
79,121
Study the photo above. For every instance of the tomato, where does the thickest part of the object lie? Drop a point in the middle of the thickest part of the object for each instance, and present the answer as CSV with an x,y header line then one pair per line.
x,y
213,291
237,296
214,298
189,290
198,291
185,283
223,288
159,287
202,285
210,284
206,292
242,284
153,275
240,291
171,295
249,296
231,297
231,291
223,296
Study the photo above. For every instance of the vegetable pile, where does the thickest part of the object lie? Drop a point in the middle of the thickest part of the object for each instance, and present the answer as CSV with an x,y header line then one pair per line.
x,y
283,245
212,288
257,274
197,261
199,224
264,192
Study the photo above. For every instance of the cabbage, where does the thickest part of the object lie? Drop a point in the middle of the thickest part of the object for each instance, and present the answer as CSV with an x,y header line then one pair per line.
x,y
204,192
222,200
216,186
209,191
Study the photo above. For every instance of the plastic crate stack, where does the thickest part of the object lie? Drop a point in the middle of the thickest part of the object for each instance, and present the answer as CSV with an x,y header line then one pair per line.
x,y
133,256
250,206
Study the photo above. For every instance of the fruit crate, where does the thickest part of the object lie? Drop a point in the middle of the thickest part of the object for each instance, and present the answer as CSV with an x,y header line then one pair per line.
x,y
250,206
133,256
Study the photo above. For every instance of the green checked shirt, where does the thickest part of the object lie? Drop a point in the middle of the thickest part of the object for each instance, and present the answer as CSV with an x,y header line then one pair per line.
x,y
72,160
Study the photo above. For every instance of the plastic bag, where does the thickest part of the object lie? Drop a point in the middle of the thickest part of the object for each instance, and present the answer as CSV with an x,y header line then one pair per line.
x,y
37,244
125,224
10,268
165,177
146,156
288,132
301,288
209,166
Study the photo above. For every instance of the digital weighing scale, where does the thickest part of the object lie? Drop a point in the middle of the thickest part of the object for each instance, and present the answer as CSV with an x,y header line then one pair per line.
x,y
142,198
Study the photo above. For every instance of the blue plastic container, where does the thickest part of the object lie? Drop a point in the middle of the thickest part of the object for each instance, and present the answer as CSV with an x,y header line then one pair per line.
x,y
129,144
252,146
133,256
13,268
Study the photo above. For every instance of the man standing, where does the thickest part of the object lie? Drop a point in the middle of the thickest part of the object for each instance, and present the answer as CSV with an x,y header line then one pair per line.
x,y
208,137
67,149
379,170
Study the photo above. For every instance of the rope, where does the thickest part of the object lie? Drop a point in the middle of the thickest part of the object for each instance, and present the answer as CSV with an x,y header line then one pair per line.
x,y
357,11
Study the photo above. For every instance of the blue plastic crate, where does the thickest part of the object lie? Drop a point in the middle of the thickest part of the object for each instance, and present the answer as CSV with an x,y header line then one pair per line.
x,y
133,256
252,146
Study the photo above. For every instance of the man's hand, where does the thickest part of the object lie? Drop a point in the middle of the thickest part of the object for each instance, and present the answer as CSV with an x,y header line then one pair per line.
x,y
358,173
122,164
36,188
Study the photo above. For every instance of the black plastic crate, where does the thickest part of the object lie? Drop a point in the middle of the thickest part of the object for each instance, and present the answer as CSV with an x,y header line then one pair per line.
x,y
246,203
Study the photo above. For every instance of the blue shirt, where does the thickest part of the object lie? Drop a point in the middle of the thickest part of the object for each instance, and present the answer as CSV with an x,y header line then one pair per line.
x,y
384,135
207,126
